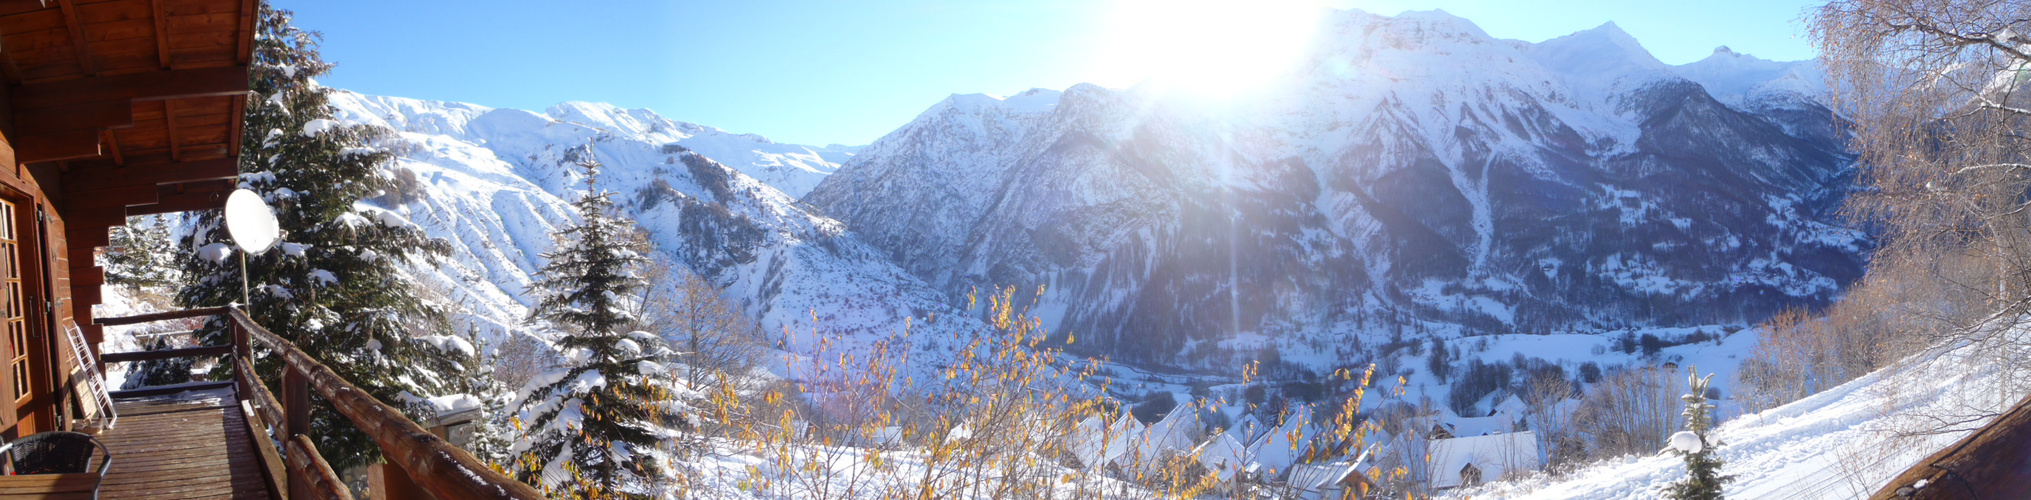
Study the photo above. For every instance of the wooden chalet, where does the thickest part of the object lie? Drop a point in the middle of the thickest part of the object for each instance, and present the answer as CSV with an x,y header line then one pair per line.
x,y
117,108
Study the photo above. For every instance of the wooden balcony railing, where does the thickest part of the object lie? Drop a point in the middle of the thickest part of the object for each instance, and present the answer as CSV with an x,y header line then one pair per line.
x,y
443,470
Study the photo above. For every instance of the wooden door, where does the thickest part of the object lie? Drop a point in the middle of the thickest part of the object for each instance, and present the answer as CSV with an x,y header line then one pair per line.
x,y
25,366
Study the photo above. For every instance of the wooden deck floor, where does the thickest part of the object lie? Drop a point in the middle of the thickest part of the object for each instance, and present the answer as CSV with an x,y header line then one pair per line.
x,y
185,446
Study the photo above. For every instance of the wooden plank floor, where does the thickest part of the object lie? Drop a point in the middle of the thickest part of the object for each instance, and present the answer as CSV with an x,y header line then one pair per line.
x,y
184,446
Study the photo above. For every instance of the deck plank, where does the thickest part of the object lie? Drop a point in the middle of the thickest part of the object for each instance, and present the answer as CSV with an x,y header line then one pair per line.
x,y
183,446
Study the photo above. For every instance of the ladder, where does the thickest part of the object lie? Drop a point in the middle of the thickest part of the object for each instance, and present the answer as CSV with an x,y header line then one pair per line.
x,y
95,382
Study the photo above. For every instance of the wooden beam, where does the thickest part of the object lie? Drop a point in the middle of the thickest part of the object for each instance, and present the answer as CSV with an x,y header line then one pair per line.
x,y
95,217
161,33
81,253
66,145
6,96
245,52
169,129
7,154
8,68
120,197
444,470
215,186
186,352
146,199
77,29
91,115
161,316
235,135
162,390
271,470
88,276
86,237
150,85
113,146
310,476
87,295
105,175
182,202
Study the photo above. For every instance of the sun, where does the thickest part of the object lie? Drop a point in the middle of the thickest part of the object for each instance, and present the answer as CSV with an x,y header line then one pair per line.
x,y
1217,49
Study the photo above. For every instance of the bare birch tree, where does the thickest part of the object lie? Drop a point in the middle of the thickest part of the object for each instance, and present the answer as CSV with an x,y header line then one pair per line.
x,y
713,337
1942,127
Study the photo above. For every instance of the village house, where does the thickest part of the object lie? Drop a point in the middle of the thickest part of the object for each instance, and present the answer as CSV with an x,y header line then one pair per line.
x,y
1341,480
1471,460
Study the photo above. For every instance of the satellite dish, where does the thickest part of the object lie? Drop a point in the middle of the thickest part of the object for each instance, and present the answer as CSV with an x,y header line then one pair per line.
x,y
251,223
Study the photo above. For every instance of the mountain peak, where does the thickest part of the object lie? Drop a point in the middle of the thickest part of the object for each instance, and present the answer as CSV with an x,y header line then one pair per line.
x,y
1733,77
1603,58
1608,40
1433,25
1036,100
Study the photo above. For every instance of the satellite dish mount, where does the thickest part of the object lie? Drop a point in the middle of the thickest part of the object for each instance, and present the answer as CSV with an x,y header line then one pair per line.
x,y
254,229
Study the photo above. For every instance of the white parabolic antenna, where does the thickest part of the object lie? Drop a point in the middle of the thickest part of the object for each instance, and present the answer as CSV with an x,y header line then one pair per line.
x,y
251,223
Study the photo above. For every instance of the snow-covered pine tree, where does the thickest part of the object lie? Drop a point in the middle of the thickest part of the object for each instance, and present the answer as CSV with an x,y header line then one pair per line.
x,y
593,426
1703,478
142,254
490,435
143,258
335,286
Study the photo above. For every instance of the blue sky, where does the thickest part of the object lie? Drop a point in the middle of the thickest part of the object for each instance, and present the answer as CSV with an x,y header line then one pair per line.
x,y
818,71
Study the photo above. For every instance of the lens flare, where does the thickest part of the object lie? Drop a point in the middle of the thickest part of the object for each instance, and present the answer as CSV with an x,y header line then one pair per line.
x,y
1210,48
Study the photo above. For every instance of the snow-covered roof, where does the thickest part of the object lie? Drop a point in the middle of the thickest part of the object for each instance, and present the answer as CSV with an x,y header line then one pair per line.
x,y
1495,455
1285,445
1222,454
1316,477
1249,427
1094,443
1177,431
1477,426
1512,405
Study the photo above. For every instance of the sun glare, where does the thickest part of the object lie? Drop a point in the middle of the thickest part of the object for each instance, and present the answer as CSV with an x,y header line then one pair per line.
x,y
1212,48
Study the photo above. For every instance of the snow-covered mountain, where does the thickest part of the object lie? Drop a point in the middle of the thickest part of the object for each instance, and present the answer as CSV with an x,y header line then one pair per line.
x,y
1414,171
1416,175
497,183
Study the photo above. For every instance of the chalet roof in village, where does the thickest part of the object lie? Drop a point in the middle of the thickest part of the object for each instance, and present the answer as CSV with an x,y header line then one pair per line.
x,y
1465,461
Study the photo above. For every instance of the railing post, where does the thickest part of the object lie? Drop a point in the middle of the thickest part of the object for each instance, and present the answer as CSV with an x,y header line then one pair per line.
x,y
296,409
243,349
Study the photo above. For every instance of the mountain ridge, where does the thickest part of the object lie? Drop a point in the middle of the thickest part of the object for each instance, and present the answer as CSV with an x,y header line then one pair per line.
x,y
1366,203
1416,164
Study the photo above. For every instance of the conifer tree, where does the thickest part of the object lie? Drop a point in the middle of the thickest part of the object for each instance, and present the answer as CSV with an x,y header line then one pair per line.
x,y
142,254
593,425
489,435
335,285
1703,470
143,257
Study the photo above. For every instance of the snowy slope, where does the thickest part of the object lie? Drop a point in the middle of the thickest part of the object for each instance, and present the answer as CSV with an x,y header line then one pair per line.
x,y
1742,80
497,183
790,168
1842,443
1416,171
